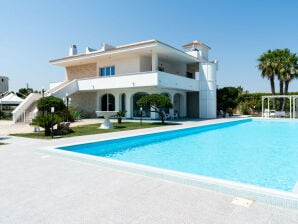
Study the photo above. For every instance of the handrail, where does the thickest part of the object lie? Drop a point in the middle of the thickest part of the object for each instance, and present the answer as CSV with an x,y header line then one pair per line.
x,y
132,74
69,87
56,88
22,107
62,86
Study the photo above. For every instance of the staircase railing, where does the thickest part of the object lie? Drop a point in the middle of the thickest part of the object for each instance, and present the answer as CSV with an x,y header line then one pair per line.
x,y
20,110
60,91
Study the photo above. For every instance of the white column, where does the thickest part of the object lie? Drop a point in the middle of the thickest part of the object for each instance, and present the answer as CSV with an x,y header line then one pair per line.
x,y
128,105
116,95
262,106
207,86
97,101
154,61
290,107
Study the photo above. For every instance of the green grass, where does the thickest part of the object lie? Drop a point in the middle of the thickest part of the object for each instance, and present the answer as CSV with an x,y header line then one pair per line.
x,y
92,129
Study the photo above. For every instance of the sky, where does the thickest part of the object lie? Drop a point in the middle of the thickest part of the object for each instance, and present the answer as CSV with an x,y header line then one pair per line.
x,y
32,32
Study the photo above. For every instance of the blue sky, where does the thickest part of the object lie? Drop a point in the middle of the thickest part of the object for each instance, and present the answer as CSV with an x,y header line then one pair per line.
x,y
238,31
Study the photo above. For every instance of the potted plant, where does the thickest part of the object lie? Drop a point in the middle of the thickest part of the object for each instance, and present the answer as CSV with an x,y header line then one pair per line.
x,y
120,114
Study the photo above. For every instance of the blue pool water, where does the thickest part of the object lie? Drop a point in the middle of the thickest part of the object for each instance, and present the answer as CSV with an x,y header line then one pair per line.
x,y
258,152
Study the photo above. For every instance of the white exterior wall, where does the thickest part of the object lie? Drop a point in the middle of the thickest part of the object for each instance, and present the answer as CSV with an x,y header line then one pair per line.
x,y
153,79
207,87
152,82
121,81
201,53
122,66
178,82
129,93
173,68
137,71
145,64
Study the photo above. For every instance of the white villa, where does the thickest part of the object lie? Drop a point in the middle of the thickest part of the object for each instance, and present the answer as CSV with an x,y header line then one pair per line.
x,y
113,78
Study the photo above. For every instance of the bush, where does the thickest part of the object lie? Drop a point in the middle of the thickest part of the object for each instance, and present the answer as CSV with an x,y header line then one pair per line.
x,y
73,114
2,114
45,104
45,121
245,108
230,111
120,114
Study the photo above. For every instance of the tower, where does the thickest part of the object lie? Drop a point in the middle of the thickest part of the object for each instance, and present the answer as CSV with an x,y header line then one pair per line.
x,y
3,84
206,76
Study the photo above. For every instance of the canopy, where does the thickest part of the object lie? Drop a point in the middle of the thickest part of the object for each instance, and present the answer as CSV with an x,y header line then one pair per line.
x,y
11,99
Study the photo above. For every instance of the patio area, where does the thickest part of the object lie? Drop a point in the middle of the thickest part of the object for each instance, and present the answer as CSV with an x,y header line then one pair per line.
x,y
37,186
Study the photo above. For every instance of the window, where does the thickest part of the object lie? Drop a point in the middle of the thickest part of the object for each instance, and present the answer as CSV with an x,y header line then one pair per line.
x,y
107,71
113,70
102,72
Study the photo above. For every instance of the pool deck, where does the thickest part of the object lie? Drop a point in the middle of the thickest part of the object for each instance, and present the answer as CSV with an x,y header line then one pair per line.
x,y
37,186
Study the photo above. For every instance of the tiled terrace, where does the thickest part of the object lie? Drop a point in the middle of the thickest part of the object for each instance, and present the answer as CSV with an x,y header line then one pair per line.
x,y
37,186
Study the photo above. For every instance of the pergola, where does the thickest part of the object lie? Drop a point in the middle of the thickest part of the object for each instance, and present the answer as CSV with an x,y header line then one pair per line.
x,y
292,99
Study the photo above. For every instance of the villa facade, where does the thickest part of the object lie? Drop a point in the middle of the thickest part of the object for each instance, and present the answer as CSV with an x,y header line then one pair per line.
x,y
114,78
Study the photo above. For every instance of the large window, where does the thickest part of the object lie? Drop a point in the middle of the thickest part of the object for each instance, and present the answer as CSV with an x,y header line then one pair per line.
x,y
107,71
122,101
108,102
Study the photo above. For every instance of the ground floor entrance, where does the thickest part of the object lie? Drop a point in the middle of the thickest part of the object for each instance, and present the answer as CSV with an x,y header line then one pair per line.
x,y
185,104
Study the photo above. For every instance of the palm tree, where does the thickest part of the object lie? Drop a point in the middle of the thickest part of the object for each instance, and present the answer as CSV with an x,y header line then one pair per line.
x,y
267,65
283,64
288,70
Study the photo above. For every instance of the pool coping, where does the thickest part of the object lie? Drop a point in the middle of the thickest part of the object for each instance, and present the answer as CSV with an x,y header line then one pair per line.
x,y
267,195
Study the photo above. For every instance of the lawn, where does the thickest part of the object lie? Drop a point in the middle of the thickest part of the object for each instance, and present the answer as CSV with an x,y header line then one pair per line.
x,y
92,129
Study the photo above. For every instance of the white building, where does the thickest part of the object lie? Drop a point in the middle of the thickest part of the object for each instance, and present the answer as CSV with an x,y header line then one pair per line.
x,y
114,78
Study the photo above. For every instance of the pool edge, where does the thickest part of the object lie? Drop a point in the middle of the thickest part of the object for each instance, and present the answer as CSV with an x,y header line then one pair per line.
x,y
266,195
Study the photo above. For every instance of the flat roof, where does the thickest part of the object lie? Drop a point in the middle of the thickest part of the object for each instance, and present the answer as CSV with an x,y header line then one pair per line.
x,y
138,46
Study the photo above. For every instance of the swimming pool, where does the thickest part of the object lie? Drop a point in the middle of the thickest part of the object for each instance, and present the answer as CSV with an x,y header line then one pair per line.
x,y
258,152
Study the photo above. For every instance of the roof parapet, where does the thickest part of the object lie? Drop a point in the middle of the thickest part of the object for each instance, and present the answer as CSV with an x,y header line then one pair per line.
x,y
197,49
73,50
106,47
89,50
194,44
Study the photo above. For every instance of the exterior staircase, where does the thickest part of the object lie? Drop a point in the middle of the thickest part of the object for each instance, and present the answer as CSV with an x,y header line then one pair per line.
x,y
30,113
27,110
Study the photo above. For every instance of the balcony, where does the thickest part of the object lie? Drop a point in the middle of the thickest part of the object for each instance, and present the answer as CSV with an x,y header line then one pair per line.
x,y
143,79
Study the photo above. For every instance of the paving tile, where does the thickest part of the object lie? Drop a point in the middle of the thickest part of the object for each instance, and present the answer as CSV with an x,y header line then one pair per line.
x,y
41,187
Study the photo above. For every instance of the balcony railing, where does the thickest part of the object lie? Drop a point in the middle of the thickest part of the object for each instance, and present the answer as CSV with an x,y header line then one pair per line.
x,y
140,79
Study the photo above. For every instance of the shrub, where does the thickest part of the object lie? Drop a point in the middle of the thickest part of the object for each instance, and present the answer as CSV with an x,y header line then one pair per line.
x,y
120,114
45,121
73,114
45,104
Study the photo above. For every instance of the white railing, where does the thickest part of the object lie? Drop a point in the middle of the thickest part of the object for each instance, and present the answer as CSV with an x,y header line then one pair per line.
x,y
60,91
20,110
141,79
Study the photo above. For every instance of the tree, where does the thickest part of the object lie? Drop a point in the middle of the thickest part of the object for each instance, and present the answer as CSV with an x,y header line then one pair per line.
x,y
227,98
283,64
267,65
44,120
287,71
24,92
156,102
45,104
